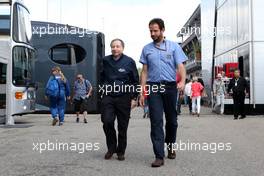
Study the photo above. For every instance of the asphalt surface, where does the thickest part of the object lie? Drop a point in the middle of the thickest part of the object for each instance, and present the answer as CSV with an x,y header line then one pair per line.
x,y
223,146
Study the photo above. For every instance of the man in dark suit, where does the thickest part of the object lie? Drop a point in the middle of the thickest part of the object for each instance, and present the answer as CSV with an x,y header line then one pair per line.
x,y
119,73
240,88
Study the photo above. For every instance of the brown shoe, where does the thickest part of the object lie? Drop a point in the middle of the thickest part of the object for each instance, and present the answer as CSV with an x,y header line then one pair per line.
x,y
54,121
108,155
171,154
120,157
157,163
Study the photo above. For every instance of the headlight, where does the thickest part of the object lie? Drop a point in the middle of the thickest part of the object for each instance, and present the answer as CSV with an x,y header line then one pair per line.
x,y
30,95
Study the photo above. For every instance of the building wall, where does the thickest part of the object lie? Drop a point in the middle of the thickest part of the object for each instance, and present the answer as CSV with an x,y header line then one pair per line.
x,y
245,39
258,49
207,33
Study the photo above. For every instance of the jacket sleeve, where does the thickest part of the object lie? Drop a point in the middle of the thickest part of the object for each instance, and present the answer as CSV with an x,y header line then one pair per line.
x,y
47,86
214,87
134,79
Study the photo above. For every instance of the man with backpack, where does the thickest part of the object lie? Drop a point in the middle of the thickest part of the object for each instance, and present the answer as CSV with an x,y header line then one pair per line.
x,y
57,90
82,91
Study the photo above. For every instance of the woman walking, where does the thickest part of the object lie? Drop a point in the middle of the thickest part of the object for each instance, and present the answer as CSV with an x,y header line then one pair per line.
x,y
57,90
197,90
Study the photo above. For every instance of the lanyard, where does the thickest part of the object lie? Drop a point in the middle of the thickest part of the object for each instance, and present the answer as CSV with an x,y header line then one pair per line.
x,y
236,80
161,48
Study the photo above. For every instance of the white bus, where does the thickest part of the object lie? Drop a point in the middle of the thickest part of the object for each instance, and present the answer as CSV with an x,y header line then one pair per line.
x,y
17,90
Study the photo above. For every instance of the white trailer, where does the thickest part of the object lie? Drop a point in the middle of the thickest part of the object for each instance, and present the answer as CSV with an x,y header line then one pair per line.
x,y
232,36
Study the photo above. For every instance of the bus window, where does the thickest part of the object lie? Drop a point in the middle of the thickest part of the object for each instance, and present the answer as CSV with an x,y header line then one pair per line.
x,y
4,20
67,54
3,73
21,27
23,60
3,86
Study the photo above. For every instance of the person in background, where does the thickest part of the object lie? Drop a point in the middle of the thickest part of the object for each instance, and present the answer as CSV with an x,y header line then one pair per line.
x,y
197,89
185,97
179,95
146,108
57,90
82,91
239,87
219,93
188,94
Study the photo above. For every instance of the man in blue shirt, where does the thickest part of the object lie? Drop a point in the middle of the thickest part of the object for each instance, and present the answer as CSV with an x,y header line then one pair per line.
x,y
82,91
119,80
161,58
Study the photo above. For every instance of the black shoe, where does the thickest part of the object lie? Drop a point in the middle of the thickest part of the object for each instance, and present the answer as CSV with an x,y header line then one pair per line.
x,y
157,163
242,117
108,155
54,121
171,154
77,120
120,157
235,118
61,123
84,120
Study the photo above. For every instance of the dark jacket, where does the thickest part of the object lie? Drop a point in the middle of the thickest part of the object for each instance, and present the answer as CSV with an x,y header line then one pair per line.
x,y
239,88
121,72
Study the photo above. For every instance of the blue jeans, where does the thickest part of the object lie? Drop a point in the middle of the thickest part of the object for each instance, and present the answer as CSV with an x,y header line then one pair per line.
x,y
57,107
159,102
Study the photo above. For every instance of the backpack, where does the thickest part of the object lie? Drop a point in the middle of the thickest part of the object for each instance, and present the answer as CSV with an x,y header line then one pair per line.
x,y
86,84
53,88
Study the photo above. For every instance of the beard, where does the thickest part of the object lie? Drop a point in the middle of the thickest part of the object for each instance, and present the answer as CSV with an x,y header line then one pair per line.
x,y
157,39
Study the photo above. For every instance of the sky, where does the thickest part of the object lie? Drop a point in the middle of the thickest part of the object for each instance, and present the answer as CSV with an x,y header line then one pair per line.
x,y
125,19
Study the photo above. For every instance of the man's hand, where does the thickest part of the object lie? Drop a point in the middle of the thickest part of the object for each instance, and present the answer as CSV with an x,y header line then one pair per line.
x,y
46,98
181,85
68,98
133,104
142,101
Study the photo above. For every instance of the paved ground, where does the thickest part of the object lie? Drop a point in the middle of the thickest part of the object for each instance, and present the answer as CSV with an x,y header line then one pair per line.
x,y
246,157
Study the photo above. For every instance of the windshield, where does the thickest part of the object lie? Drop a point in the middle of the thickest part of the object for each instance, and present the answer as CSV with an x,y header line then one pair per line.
x,y
23,61
21,26
4,20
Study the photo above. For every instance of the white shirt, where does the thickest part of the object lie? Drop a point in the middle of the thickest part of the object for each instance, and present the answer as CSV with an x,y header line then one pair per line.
x,y
188,89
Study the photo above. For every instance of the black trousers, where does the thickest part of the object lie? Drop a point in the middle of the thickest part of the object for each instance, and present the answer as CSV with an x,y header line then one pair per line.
x,y
116,107
239,105
159,103
189,103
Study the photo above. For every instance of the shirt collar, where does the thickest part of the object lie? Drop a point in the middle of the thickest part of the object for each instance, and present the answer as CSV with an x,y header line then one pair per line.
x,y
163,45
121,56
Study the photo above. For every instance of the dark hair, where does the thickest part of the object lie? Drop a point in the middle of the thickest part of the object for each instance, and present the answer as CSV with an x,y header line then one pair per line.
x,y
159,22
117,39
236,70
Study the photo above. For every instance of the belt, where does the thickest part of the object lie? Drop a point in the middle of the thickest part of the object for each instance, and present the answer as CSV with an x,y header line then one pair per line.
x,y
166,83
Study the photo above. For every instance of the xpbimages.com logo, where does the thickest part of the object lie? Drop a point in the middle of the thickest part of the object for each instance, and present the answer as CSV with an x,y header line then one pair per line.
x,y
117,88
61,30
211,147
79,147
